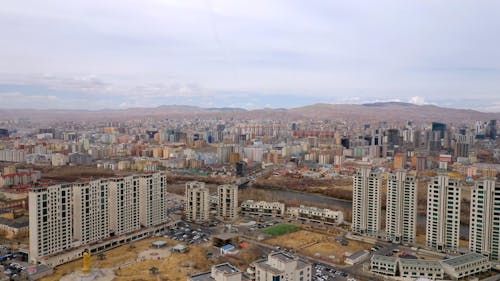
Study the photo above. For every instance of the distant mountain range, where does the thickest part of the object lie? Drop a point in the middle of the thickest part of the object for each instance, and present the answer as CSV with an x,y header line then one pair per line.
x,y
380,111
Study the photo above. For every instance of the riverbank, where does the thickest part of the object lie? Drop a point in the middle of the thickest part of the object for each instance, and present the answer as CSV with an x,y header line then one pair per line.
x,y
306,192
336,188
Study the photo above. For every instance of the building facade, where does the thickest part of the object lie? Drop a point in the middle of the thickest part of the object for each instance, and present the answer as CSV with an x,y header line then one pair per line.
x,y
281,266
152,196
384,265
401,210
227,201
317,215
466,265
443,213
415,268
124,204
90,211
366,202
65,217
484,226
197,202
262,208
455,268
50,216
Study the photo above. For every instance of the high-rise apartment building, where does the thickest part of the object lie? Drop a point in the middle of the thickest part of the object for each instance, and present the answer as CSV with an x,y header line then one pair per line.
x,y
152,193
50,219
227,201
401,210
224,153
124,204
484,227
366,202
90,211
443,213
197,202
66,216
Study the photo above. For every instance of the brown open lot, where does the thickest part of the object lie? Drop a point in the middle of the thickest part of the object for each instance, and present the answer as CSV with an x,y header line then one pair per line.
x,y
296,240
334,251
114,257
175,267
317,245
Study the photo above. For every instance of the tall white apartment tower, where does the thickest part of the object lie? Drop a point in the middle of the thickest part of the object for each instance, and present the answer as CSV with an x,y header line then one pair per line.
x,y
152,194
227,201
484,232
197,202
50,216
124,204
443,213
90,211
66,216
366,202
401,211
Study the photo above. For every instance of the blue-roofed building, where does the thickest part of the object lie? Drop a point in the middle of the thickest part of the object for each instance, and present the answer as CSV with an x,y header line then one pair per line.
x,y
226,249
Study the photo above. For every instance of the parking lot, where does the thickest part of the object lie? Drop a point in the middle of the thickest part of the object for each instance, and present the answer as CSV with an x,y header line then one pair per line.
x,y
323,272
15,269
189,234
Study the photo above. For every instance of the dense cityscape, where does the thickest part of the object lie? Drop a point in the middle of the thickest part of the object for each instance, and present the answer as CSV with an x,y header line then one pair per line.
x,y
236,140
249,199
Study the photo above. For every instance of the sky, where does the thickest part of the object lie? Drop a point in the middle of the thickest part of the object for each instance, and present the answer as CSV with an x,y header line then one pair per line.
x,y
86,54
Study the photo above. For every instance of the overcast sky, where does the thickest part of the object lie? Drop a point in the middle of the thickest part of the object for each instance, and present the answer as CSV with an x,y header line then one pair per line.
x,y
251,54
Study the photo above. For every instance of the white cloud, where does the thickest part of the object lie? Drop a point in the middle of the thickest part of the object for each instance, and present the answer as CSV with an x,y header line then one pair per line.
x,y
417,100
493,107
20,100
177,48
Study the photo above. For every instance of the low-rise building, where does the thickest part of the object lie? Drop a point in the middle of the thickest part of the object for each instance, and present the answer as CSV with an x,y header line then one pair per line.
x,y
313,214
14,225
411,268
283,267
220,272
263,208
466,265
19,177
384,265
358,257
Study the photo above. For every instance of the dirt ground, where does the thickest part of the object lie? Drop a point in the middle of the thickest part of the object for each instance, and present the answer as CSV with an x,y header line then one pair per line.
x,y
175,267
317,245
420,239
334,251
113,258
179,188
296,240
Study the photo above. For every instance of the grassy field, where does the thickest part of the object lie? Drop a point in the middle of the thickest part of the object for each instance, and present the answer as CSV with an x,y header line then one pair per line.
x,y
280,229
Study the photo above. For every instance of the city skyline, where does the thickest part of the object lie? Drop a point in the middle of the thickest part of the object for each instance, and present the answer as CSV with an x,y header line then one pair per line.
x,y
222,140
92,55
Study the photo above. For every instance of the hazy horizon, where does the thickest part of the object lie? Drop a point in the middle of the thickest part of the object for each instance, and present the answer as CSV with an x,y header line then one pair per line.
x,y
248,54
